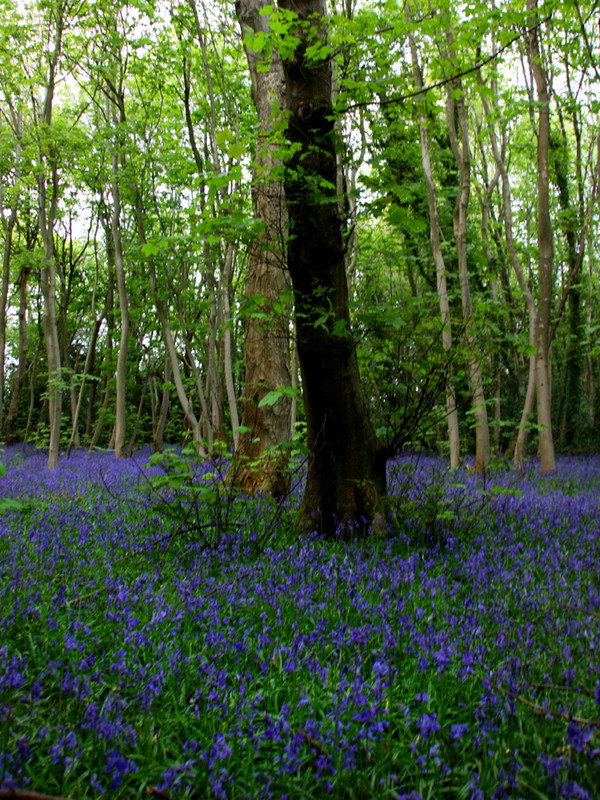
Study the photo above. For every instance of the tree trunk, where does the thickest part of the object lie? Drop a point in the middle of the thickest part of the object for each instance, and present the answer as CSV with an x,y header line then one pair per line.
x,y
225,288
89,359
163,317
523,431
8,226
158,433
33,374
121,399
545,250
136,424
21,370
47,217
461,149
440,266
266,328
345,475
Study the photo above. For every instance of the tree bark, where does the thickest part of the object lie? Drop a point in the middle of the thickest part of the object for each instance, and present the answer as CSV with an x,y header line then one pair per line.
x,y
545,250
47,211
225,288
21,370
158,432
440,265
266,328
163,317
345,475
121,399
459,141
528,406
8,226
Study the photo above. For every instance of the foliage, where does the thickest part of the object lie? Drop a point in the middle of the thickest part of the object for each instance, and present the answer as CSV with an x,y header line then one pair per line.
x,y
187,143
134,664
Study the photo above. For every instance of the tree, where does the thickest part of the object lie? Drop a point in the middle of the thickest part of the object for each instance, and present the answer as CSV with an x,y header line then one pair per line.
x,y
346,473
545,245
48,181
459,139
265,425
438,257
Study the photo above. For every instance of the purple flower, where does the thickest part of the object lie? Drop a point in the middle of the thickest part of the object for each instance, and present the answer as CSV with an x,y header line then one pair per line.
x,y
457,731
116,766
428,724
476,793
577,736
573,789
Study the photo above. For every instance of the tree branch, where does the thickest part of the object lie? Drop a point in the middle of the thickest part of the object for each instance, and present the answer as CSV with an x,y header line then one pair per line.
x,y
450,79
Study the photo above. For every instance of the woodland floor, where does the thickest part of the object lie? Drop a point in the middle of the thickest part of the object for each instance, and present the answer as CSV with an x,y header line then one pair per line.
x,y
161,636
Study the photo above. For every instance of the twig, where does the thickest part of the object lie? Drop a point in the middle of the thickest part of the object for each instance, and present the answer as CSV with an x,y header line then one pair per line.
x,y
314,743
25,794
557,688
540,709
445,81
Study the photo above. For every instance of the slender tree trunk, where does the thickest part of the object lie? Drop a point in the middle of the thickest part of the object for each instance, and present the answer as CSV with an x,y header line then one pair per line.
x,y
225,281
294,383
86,371
8,226
345,475
440,266
528,406
21,370
136,424
159,431
212,378
121,399
461,149
163,317
47,212
106,397
545,250
48,286
32,380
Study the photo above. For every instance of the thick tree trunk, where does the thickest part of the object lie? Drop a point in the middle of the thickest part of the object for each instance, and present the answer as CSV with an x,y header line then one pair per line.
x,y
345,476
545,251
266,328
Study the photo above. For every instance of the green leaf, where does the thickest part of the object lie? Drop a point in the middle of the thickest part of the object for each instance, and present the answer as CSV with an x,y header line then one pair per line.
x,y
10,504
270,398
223,137
236,150
255,41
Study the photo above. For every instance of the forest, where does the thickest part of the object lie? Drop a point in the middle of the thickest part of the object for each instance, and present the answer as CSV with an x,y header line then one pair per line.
x,y
299,399
155,285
